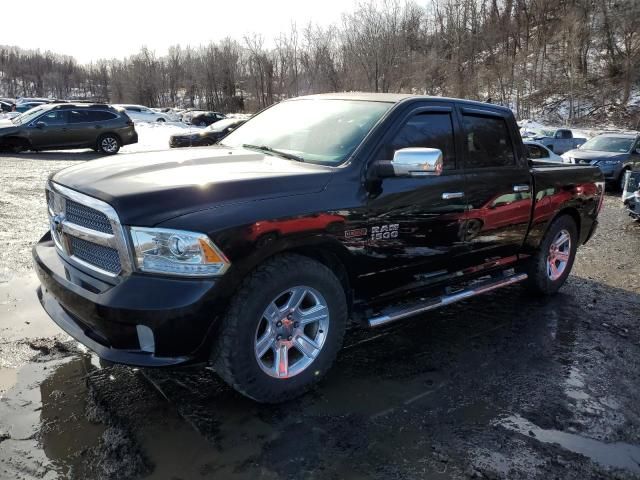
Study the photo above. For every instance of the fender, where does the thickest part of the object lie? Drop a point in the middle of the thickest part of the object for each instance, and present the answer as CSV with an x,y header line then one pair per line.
x,y
581,201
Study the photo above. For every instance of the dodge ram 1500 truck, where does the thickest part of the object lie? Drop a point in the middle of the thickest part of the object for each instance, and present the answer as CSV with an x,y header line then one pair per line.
x,y
253,254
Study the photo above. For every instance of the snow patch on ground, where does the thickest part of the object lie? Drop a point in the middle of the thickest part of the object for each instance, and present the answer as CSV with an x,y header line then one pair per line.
x,y
155,135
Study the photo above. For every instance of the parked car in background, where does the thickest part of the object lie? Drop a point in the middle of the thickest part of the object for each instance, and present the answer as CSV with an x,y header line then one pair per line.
x,y
558,141
256,254
20,100
140,113
25,106
66,125
614,153
172,114
210,135
7,106
537,151
202,119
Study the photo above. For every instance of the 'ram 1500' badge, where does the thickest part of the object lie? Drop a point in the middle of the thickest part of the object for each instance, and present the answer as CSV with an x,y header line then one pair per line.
x,y
385,232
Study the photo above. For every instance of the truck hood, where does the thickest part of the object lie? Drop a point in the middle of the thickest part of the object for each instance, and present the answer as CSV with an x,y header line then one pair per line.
x,y
149,188
581,154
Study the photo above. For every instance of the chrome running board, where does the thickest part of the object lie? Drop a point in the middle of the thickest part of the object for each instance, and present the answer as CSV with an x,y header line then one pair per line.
x,y
431,304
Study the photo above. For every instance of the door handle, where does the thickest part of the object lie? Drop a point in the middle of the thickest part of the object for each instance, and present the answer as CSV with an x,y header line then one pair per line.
x,y
452,195
521,188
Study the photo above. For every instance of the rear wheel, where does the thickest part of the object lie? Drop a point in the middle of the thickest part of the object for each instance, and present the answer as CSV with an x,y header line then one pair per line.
x,y
550,266
108,144
161,120
283,329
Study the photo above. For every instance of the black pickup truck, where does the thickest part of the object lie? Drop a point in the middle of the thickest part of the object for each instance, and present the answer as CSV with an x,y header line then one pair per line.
x,y
251,255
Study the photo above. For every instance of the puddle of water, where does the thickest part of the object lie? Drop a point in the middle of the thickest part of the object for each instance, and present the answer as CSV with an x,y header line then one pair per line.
x,y
20,421
616,454
7,379
21,315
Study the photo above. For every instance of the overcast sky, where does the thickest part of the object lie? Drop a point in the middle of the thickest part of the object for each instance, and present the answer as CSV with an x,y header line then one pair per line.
x,y
90,30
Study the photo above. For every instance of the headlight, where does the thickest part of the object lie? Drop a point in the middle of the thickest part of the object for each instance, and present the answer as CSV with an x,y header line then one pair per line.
x,y
176,252
607,162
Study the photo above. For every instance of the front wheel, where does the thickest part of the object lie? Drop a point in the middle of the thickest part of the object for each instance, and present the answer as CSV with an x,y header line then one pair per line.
x,y
283,329
550,266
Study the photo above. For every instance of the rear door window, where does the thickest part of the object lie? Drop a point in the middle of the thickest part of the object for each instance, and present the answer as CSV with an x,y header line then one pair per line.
x,y
487,142
99,116
78,116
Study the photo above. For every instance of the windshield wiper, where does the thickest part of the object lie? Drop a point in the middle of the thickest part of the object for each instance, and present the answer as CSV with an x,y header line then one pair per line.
x,y
264,148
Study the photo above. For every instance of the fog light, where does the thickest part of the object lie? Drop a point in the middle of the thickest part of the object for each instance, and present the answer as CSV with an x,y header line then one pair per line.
x,y
145,339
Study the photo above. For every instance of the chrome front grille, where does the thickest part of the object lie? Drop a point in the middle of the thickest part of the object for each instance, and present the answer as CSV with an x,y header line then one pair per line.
x,y
87,217
105,258
87,231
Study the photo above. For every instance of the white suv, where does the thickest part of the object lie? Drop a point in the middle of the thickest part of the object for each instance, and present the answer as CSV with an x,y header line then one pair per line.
x,y
140,113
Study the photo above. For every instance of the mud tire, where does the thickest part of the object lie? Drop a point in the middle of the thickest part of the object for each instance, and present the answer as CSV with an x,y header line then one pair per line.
x,y
233,356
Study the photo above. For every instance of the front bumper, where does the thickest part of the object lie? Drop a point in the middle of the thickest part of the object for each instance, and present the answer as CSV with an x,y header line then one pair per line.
x,y
108,318
611,172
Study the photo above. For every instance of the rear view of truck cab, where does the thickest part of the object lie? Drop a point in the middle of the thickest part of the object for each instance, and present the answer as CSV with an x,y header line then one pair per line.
x,y
252,255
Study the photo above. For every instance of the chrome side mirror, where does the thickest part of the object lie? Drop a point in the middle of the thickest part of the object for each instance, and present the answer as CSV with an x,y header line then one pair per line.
x,y
417,162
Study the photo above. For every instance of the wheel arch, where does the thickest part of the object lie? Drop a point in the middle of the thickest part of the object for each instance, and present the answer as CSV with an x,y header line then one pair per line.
x,y
335,260
104,134
328,252
535,236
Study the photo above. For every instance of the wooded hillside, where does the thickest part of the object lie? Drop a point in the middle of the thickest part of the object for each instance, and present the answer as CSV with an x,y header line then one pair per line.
x,y
575,61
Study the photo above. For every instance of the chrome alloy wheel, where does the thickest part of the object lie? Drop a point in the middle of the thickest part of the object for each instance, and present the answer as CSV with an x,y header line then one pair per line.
x,y
559,253
109,144
291,332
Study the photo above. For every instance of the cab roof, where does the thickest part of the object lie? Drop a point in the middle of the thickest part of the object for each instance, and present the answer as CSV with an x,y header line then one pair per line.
x,y
395,98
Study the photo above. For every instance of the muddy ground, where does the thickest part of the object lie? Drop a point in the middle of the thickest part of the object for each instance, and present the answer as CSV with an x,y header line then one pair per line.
x,y
499,387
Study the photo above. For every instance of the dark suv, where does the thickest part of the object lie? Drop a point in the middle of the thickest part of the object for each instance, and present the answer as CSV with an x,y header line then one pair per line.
x,y
66,125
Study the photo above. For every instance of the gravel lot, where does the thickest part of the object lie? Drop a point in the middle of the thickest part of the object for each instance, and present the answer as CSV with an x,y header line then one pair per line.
x,y
503,386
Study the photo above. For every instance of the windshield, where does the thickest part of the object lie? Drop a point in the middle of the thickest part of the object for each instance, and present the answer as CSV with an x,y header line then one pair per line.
x,y
608,144
221,125
27,116
318,131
